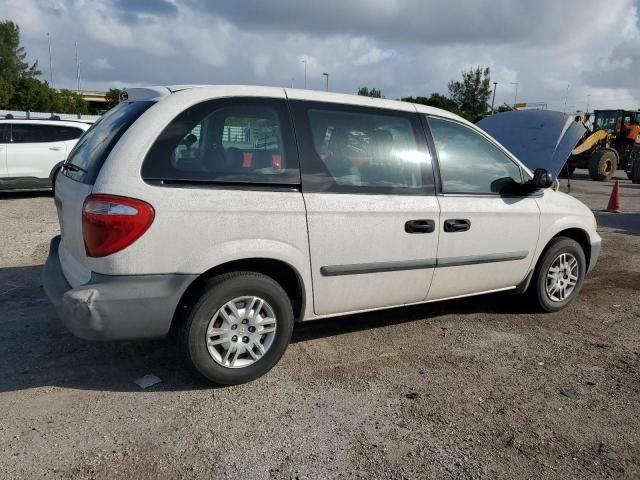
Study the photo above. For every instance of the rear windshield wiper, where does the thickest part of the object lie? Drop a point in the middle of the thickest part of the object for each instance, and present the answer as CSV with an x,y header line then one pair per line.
x,y
73,168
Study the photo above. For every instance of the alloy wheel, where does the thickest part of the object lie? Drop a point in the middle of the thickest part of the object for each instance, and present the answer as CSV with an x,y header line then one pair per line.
x,y
241,332
562,277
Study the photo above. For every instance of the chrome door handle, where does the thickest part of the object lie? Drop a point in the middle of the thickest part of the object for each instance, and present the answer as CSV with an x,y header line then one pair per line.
x,y
55,149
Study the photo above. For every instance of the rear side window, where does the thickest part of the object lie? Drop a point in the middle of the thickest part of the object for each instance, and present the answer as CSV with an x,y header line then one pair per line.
x,y
353,149
69,133
33,133
469,163
239,140
88,156
4,133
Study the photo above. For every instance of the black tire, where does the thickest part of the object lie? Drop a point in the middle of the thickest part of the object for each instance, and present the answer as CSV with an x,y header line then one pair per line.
x,y
634,174
54,177
603,164
538,292
218,291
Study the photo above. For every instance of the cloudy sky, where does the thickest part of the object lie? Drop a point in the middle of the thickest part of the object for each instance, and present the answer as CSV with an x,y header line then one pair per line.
x,y
403,47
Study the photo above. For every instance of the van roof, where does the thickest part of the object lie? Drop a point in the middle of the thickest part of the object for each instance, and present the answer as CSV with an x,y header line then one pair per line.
x,y
158,92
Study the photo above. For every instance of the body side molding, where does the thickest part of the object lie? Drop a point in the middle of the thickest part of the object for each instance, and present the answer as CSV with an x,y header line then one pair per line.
x,y
377,267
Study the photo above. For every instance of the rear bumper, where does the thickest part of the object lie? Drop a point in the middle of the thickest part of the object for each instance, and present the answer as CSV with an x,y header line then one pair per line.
x,y
114,307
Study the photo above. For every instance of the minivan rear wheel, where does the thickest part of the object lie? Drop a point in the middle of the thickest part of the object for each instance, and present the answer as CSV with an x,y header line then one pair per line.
x,y
559,274
239,328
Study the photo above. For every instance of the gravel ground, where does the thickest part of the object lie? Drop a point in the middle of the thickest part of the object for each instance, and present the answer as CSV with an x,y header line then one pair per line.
x,y
475,388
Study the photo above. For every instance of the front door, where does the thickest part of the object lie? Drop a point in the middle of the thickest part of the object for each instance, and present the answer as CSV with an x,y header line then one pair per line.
x,y
487,237
372,214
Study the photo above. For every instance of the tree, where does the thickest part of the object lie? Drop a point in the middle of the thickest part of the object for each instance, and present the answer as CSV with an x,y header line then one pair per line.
x,y
438,101
370,92
12,55
6,91
113,97
31,94
20,89
472,94
67,101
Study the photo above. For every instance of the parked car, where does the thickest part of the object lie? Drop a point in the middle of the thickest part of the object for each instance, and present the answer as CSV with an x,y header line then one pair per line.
x,y
227,214
32,151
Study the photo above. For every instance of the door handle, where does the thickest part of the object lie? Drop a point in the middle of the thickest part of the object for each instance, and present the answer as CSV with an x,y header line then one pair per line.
x,y
55,149
457,225
420,226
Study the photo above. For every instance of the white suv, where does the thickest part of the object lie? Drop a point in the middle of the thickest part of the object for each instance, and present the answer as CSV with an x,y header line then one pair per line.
x,y
32,151
230,213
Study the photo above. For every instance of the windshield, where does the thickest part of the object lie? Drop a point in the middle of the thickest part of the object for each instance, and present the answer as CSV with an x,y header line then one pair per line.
x,y
93,148
608,121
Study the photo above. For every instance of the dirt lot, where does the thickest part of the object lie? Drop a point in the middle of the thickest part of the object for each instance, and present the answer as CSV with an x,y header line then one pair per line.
x,y
476,388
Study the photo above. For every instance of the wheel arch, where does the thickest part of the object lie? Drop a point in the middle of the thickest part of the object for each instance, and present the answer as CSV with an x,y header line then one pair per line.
x,y
575,233
55,168
282,272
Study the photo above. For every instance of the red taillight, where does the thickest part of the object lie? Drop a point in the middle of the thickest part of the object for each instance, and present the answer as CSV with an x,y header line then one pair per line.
x,y
111,223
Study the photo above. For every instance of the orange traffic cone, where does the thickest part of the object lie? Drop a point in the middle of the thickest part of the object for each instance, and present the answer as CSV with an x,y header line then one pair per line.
x,y
614,200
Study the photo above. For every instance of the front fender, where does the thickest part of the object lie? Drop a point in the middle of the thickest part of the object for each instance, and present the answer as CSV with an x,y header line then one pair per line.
x,y
574,223
560,212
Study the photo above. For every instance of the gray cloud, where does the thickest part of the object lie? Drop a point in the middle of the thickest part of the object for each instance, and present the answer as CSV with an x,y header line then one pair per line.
x,y
621,69
161,7
417,21
403,47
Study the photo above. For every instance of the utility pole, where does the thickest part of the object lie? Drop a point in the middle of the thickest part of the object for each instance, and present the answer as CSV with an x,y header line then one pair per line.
x,y
566,98
50,61
77,67
305,72
495,86
327,87
515,96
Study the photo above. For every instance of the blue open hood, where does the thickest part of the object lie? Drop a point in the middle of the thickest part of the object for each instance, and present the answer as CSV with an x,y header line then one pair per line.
x,y
538,138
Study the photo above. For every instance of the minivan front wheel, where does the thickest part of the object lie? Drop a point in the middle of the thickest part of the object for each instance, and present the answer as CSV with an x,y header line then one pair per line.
x,y
239,328
559,274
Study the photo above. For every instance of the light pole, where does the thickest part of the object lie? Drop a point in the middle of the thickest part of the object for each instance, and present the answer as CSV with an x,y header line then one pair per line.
x,y
588,101
50,60
495,86
566,98
305,72
515,96
77,67
327,76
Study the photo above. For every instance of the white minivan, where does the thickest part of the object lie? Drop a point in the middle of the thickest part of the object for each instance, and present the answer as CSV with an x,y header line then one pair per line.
x,y
228,213
32,151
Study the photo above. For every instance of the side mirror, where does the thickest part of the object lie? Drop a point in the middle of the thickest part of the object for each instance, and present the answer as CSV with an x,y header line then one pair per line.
x,y
542,178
